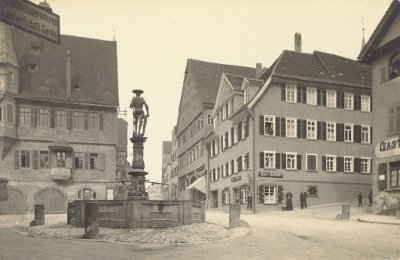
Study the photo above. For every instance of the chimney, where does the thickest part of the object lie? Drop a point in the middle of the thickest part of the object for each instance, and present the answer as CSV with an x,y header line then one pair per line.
x,y
259,70
68,74
297,42
44,5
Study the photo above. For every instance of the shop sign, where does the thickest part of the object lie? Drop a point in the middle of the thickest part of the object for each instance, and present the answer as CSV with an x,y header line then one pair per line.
x,y
270,174
236,178
31,18
389,147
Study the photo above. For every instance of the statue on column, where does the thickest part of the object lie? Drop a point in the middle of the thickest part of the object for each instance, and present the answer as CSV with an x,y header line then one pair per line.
x,y
139,117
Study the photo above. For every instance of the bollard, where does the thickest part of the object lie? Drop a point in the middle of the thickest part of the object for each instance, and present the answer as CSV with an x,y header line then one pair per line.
x,y
91,220
39,214
346,212
234,215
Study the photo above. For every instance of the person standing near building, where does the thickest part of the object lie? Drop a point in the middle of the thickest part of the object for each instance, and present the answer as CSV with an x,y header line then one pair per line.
x,y
249,201
359,197
289,204
303,199
370,198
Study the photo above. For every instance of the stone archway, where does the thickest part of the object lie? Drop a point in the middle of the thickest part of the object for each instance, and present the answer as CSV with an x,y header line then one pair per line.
x,y
16,202
53,199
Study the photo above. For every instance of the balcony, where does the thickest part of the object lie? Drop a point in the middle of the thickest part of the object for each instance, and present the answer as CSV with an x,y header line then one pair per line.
x,y
61,174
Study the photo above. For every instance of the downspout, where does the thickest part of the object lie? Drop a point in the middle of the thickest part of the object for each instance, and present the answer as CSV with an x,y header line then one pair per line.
x,y
253,206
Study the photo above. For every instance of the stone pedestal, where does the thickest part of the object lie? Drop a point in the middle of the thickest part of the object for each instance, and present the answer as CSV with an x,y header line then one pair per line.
x,y
92,220
234,215
39,214
137,189
346,212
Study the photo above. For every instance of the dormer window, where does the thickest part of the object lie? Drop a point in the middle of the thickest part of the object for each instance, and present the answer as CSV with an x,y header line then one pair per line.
x,y
35,50
394,66
33,67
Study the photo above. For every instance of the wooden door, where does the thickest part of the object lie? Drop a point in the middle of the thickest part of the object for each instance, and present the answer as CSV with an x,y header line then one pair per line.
x,y
17,201
54,200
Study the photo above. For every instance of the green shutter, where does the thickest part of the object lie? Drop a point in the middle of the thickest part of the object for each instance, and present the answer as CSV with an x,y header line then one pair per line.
x,y
299,162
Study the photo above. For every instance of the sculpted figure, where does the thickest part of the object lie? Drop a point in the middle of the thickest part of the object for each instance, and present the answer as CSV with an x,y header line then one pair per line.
x,y
139,117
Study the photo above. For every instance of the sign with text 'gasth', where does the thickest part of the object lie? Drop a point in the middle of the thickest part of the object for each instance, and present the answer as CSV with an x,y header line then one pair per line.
x,y
31,18
389,147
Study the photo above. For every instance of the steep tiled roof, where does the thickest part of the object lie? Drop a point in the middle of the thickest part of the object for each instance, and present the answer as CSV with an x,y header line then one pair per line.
x,y
320,66
235,80
207,76
93,68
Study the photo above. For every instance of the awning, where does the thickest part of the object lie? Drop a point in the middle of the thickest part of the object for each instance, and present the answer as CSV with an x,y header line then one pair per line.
x,y
199,184
60,145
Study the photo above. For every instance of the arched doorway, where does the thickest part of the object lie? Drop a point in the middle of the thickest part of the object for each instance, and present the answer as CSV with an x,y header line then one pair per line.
x,y
16,202
53,199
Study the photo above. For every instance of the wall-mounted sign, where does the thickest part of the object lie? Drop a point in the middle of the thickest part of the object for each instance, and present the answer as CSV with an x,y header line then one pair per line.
x,y
270,174
236,178
388,148
31,18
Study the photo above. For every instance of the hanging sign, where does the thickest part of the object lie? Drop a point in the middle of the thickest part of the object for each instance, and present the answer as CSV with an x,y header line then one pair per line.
x,y
270,174
388,147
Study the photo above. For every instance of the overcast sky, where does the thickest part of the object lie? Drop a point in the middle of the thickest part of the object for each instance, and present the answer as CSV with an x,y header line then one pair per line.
x,y
155,38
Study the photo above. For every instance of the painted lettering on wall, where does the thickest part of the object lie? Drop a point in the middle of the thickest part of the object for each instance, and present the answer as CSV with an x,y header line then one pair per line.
x,y
389,147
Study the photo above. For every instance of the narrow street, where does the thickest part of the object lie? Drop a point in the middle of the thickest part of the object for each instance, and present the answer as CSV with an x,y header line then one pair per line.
x,y
308,234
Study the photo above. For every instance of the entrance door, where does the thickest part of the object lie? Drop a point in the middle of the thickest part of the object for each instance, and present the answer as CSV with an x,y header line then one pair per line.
x,y
17,201
215,199
54,200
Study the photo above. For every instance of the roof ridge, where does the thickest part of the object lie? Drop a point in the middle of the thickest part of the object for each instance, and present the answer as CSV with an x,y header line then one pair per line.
x,y
323,64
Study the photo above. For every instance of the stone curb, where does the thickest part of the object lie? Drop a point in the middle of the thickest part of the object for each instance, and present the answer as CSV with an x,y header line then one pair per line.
x,y
377,222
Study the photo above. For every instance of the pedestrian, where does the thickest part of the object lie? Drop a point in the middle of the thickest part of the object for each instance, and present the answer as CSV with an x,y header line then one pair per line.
x,y
359,197
370,197
289,204
303,199
284,204
249,201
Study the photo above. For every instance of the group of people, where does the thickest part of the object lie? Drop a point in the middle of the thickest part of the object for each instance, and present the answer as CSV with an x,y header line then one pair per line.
x,y
359,198
287,203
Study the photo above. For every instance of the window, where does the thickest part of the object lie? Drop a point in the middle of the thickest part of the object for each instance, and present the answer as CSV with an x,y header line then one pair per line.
x,y
232,167
291,127
365,134
229,138
394,120
311,162
269,160
35,50
78,160
312,96
24,116
245,129
25,159
269,194
61,118
348,164
225,197
93,121
244,191
78,120
110,193
365,165
394,177
210,120
331,98
291,93
93,161
44,159
312,191
331,131
365,103
269,125
236,166
348,101
311,129
33,67
348,133
223,171
235,134
291,163
43,117
245,161
394,66
330,163
60,159
10,113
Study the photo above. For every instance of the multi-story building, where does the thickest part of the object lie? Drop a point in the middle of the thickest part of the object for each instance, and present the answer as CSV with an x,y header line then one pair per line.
x,y
173,181
383,52
200,87
166,168
304,124
58,139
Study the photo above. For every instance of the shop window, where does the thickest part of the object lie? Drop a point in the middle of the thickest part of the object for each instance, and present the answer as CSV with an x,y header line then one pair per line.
x,y
110,194
226,197
267,194
311,162
394,66
394,178
312,191
244,192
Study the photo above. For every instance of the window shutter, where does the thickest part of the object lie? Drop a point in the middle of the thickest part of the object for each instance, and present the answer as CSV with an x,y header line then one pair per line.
x,y
222,143
277,160
323,129
52,118
357,134
33,117
232,136
261,126
277,126
283,164
240,163
247,127
319,130
357,165
86,120
319,101
283,93
323,98
261,160
16,159
299,94
357,102
283,126
304,128
299,128
280,193
323,163
35,164
69,120
240,131
304,95
260,189
86,158
340,164
101,121
299,162
339,132
341,95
